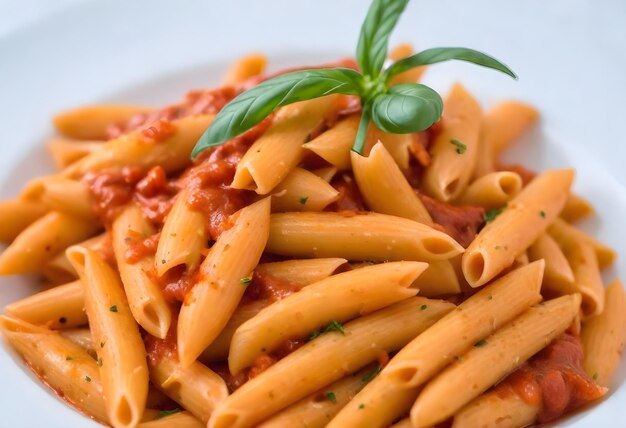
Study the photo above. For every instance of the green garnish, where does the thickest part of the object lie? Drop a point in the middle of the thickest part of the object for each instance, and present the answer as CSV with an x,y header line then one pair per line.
x,y
371,375
303,200
331,397
245,281
70,358
87,379
164,413
361,406
480,343
491,215
399,109
460,147
101,344
423,307
595,376
113,308
333,326
542,213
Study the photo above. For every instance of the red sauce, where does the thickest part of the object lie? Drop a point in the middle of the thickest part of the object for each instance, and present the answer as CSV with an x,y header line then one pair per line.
x,y
267,287
554,380
111,190
461,223
139,246
176,283
350,198
156,348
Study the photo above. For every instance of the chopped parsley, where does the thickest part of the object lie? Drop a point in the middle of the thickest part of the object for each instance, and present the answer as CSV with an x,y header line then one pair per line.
x,y
87,379
371,375
245,281
303,200
361,406
542,213
102,344
460,147
423,307
113,308
164,413
70,358
331,397
595,376
333,326
163,261
491,215
480,343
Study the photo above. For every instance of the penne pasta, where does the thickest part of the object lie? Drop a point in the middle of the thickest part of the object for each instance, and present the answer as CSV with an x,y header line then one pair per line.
x,y
558,277
133,149
384,188
439,279
325,360
272,157
397,145
212,300
337,298
57,308
91,122
17,215
178,420
492,190
496,410
120,350
65,151
144,295
502,125
502,352
587,278
302,272
316,410
68,196
183,237
326,173
455,150
359,236
59,270
603,336
397,386
530,213
244,68
81,337
567,235
334,144
576,208
67,368
302,190
42,240
196,387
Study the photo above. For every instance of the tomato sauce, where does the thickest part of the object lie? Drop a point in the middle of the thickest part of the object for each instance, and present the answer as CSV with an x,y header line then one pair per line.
x,y
461,223
350,198
139,246
267,287
555,380
157,348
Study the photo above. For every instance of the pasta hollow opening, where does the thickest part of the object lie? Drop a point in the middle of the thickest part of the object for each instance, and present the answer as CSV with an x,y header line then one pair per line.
x,y
509,185
437,246
404,375
451,188
123,412
474,267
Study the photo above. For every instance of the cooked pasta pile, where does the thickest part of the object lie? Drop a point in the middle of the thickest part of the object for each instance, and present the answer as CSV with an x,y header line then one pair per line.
x,y
281,280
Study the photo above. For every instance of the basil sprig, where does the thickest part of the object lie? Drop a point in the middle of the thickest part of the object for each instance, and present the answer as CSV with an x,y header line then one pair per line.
x,y
399,109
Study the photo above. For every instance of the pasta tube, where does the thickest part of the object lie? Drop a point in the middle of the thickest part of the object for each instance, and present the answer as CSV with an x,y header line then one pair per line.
x,y
245,68
91,122
178,420
325,360
384,187
604,335
558,277
576,208
212,301
17,215
528,215
65,151
302,272
370,236
587,278
567,235
502,352
492,190
64,366
302,190
279,149
42,240
334,144
496,410
119,346
439,279
339,298
58,307
145,299
68,196
455,150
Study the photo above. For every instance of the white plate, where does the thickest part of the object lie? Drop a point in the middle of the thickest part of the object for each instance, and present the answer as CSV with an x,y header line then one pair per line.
x,y
570,57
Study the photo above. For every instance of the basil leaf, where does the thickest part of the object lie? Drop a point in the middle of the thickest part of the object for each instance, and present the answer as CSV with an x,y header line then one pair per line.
x,y
405,108
435,55
381,18
361,134
255,104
